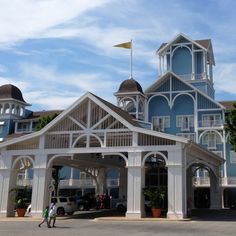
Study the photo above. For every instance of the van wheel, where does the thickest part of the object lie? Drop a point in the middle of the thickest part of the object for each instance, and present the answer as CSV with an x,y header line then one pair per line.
x,y
60,211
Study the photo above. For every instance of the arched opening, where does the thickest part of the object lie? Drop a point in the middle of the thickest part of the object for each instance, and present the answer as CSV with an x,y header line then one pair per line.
x,y
202,186
20,192
22,111
156,176
182,62
129,105
6,108
84,176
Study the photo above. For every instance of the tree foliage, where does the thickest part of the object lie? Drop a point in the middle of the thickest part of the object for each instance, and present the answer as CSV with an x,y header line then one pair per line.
x,y
231,126
43,121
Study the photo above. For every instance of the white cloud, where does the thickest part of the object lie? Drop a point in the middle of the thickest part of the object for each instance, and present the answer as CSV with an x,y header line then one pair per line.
x,y
25,19
56,90
225,78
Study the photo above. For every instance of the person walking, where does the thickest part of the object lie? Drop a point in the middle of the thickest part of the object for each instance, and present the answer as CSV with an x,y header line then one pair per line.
x,y
52,214
45,217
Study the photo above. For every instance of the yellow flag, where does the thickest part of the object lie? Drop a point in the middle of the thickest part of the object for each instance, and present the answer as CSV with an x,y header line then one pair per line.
x,y
127,45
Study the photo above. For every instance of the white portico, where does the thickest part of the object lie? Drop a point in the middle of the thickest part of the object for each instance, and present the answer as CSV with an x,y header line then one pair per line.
x,y
94,134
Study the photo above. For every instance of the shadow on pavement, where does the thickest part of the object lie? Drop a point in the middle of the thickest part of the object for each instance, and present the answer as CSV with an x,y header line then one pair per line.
x,y
95,214
214,215
197,214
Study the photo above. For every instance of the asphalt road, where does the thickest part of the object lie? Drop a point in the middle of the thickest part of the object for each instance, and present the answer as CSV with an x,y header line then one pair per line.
x,y
199,226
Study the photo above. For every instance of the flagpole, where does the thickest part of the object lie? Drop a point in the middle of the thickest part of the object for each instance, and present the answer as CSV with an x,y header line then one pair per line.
x,y
131,59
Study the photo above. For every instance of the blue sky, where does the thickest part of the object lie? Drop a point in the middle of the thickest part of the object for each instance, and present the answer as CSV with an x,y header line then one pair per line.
x,y
56,50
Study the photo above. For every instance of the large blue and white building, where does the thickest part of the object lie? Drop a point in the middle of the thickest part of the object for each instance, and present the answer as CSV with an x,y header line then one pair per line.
x,y
170,135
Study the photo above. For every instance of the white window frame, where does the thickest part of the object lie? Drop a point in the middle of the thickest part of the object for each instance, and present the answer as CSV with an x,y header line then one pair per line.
x,y
160,126
206,140
232,158
185,125
207,122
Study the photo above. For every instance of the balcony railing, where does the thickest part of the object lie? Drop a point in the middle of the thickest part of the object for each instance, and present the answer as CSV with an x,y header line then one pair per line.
x,y
24,182
205,181
210,123
196,76
113,182
201,181
186,76
82,183
79,183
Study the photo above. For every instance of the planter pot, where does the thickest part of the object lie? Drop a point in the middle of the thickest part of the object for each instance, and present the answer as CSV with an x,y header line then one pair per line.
x,y
156,212
21,212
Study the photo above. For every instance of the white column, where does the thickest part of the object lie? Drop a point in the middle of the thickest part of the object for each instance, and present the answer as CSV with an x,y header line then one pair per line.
x,y
224,156
123,183
193,63
176,185
190,191
137,107
204,65
160,71
7,182
42,178
215,192
136,183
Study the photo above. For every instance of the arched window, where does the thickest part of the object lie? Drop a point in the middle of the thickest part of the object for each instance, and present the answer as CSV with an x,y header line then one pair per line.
x,y
22,111
182,62
6,108
13,109
1,109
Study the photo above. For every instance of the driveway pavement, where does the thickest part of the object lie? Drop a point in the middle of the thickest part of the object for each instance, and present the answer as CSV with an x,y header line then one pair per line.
x,y
87,227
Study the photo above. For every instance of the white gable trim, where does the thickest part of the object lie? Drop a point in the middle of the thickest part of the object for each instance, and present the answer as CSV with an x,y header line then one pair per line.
x,y
178,36
101,104
188,84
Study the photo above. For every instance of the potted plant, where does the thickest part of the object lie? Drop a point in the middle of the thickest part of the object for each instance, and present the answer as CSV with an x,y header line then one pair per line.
x,y
20,200
156,196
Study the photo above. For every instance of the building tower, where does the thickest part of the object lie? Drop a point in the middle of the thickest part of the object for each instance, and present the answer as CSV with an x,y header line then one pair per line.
x,y
12,107
191,60
130,97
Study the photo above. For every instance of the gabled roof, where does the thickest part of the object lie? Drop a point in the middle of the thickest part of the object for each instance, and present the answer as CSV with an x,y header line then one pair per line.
x,y
205,44
124,114
121,115
35,115
228,105
166,76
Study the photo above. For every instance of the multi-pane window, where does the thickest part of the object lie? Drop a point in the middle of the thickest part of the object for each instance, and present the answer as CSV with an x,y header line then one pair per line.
x,y
23,127
233,157
190,136
211,120
160,123
211,139
184,122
